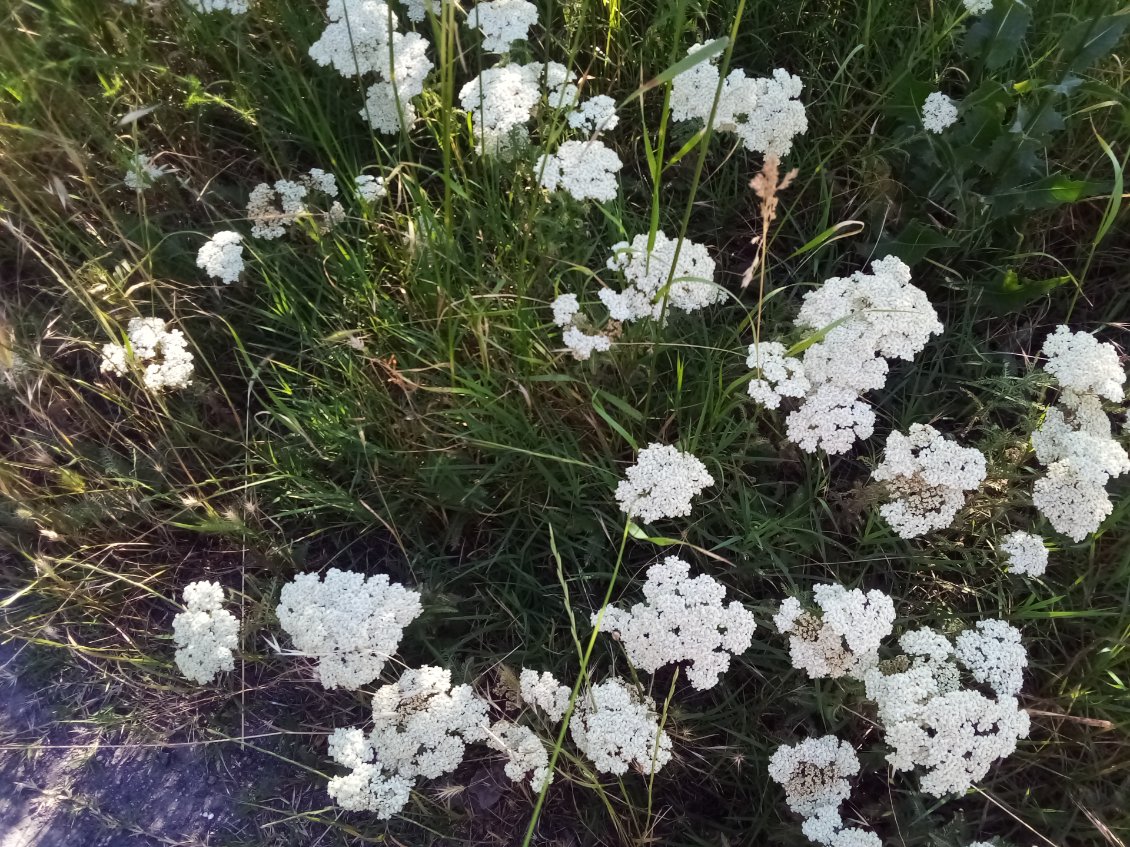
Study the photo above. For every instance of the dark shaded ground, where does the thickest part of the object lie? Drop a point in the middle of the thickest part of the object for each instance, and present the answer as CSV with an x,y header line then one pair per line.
x,y
75,784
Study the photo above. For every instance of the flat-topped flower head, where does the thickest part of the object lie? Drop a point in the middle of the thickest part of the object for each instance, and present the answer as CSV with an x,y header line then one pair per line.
x,y
235,7
597,114
685,280
814,773
369,188
527,760
661,483
993,654
831,419
584,169
369,786
161,355
205,633
1025,553
779,375
221,257
681,619
826,827
936,721
544,693
763,112
1083,364
422,724
502,22
843,638
617,727
939,113
927,476
351,623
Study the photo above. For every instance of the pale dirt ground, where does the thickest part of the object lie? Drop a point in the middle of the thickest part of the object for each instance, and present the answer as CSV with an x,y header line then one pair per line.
x,y
74,784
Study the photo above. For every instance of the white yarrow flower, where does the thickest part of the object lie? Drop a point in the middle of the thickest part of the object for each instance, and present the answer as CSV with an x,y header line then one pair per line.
x,y
584,169
864,320
933,721
686,283
205,633
681,620
544,692
583,344
617,727
763,112
350,623
221,257
161,355
844,639
661,484
370,188
927,477
978,7
597,114
502,22
527,758
814,773
938,112
1025,553
236,7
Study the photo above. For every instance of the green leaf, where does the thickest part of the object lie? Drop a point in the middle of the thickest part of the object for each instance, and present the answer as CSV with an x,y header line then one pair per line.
x,y
703,54
1055,190
1092,39
996,37
844,229
658,540
914,242
1011,291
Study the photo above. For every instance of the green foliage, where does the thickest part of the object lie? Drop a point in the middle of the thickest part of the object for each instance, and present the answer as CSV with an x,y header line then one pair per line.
x,y
390,396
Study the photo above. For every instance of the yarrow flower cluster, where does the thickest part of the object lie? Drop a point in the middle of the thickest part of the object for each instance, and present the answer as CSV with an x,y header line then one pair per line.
x,y
350,623
865,320
369,786
681,620
826,827
953,731
617,727
844,639
814,773
927,477
597,114
221,257
360,39
938,112
421,728
142,172
764,113
1025,553
370,188
978,7
502,22
661,483
648,272
584,169
161,354
544,692
272,208
205,633
1075,442
502,100
526,756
